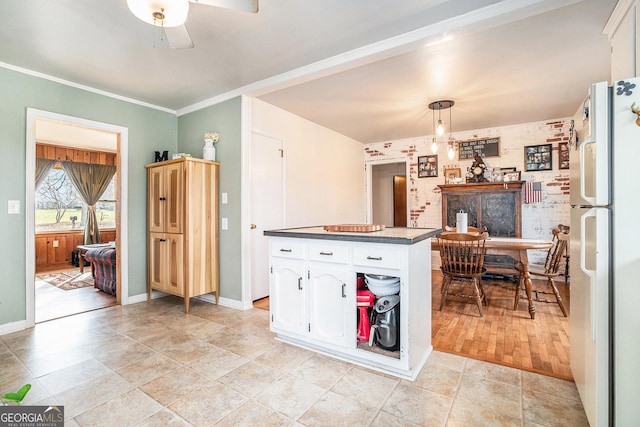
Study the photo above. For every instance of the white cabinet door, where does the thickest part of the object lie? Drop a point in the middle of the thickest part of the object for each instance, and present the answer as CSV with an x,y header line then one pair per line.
x,y
288,297
331,302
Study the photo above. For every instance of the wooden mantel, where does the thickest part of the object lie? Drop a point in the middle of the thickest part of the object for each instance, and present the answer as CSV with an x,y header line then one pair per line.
x,y
495,205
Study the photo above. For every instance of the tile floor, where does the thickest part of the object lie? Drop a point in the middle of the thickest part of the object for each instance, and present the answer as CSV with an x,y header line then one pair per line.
x,y
149,364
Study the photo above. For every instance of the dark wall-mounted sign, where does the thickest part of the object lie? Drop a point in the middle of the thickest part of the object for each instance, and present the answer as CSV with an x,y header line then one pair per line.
x,y
161,157
487,147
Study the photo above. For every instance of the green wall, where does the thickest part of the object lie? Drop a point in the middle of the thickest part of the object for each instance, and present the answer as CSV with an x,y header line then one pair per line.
x,y
224,118
149,130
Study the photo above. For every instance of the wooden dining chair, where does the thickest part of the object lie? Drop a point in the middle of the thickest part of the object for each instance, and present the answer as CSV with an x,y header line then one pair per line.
x,y
551,270
565,229
462,263
469,229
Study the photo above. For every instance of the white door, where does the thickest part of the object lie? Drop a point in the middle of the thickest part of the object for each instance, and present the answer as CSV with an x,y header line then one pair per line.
x,y
330,304
288,304
267,205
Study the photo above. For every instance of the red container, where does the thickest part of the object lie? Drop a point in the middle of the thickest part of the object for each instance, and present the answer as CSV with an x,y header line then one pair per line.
x,y
364,300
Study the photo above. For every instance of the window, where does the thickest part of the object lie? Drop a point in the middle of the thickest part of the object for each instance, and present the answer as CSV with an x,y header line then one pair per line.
x,y
60,208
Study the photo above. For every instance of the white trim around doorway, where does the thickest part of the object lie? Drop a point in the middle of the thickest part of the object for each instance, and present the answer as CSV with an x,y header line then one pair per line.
x,y
369,186
32,116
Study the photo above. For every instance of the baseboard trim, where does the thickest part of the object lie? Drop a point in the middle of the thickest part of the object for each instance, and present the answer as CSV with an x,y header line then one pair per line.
x,y
225,302
9,328
142,298
210,298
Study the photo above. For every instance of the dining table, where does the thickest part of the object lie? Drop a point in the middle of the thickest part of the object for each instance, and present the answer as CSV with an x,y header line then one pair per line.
x,y
515,247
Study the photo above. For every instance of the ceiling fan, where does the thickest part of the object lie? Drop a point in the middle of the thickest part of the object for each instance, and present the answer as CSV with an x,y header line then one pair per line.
x,y
172,14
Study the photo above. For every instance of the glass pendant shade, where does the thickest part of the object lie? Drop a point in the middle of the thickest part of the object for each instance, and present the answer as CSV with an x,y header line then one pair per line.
x,y
450,152
166,13
434,146
440,128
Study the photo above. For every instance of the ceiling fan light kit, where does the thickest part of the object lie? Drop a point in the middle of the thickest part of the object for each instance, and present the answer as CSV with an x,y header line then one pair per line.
x,y
171,15
165,13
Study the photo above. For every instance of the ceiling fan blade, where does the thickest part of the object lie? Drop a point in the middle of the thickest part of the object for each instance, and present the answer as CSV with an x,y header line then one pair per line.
x,y
243,5
178,37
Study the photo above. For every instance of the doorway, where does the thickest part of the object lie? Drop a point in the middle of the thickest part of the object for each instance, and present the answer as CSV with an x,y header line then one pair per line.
x,y
120,138
388,194
399,201
267,205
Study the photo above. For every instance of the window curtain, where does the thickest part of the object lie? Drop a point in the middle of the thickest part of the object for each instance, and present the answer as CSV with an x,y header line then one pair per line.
x,y
90,181
43,166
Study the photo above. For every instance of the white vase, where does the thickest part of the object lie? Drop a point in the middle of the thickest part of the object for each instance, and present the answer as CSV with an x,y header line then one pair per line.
x,y
208,150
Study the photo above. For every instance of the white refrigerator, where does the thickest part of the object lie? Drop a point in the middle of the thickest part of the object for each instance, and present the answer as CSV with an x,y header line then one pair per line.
x,y
604,319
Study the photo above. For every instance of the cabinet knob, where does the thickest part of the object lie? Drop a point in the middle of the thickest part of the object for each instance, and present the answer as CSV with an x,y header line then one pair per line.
x,y
253,226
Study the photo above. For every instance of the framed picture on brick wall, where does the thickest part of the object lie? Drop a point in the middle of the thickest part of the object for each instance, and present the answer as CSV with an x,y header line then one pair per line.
x,y
427,166
537,158
563,155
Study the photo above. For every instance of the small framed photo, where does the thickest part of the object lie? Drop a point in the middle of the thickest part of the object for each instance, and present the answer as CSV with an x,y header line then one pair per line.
x,y
537,158
427,166
452,176
563,155
511,176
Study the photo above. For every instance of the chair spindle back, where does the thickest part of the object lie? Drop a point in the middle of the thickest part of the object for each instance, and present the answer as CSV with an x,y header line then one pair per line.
x,y
462,254
556,252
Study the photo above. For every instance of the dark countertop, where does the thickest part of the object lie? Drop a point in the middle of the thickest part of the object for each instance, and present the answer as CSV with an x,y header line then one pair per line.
x,y
394,235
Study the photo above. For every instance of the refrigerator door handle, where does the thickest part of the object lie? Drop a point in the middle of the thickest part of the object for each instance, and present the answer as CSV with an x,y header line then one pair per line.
x,y
583,267
583,191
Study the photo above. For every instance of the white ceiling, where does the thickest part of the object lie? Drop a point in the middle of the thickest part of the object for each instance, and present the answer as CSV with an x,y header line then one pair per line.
x,y
365,68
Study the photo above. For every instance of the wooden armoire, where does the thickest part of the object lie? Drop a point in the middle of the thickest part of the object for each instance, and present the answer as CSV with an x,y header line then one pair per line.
x,y
182,228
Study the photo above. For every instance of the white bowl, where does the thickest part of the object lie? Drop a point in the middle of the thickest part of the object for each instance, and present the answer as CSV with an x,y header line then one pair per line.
x,y
376,278
382,289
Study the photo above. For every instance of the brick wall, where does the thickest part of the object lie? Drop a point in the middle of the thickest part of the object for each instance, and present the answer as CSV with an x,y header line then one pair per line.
x,y
425,200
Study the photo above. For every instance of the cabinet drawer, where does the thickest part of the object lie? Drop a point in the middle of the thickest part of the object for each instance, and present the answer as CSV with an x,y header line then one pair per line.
x,y
287,249
329,253
377,257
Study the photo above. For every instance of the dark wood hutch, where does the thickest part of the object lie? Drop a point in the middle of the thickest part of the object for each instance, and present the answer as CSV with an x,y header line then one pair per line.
x,y
495,205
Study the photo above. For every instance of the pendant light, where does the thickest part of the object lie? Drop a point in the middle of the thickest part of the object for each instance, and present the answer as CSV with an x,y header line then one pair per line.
x,y
439,130
434,142
450,151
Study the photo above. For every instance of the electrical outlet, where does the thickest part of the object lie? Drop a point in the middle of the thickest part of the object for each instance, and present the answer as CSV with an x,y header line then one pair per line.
x,y
224,199
56,243
225,223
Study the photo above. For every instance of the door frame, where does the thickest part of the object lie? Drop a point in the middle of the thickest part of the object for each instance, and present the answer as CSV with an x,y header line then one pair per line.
x,y
122,266
368,165
245,232
282,189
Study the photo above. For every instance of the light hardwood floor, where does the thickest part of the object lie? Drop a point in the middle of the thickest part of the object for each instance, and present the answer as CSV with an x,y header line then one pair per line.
x,y
504,336
53,303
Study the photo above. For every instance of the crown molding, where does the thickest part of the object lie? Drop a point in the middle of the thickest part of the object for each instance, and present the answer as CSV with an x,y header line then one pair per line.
x,y
618,14
83,87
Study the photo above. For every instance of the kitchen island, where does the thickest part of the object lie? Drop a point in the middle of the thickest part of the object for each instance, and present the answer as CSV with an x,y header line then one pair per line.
x,y
313,287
